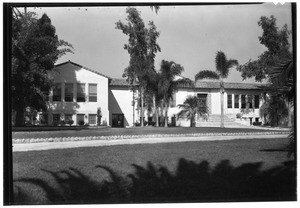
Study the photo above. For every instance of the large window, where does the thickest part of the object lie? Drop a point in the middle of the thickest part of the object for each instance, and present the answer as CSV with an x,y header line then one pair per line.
x,y
243,100
236,101
256,101
80,119
69,92
229,101
57,92
92,92
80,92
92,119
250,100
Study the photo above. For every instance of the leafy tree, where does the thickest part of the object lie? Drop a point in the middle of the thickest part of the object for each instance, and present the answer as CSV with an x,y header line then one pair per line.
x,y
222,66
141,47
277,44
35,49
191,107
169,82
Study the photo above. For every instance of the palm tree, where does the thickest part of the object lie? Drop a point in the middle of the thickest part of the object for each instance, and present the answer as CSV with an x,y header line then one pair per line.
x,y
190,107
168,84
222,66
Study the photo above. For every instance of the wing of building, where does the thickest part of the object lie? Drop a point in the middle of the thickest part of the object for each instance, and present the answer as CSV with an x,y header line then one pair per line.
x,y
82,95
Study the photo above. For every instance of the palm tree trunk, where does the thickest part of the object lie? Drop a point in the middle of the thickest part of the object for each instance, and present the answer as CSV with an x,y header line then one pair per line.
x,y
142,106
192,121
166,113
222,102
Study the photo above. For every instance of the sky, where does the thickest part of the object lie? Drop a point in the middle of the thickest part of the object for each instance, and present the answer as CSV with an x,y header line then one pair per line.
x,y
189,35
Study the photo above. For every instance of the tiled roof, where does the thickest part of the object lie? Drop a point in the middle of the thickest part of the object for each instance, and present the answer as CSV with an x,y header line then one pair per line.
x,y
75,64
119,82
203,85
216,85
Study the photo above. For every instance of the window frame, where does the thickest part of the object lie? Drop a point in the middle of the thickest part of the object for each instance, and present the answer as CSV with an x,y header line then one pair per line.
x,y
54,90
229,101
72,89
78,97
236,101
93,95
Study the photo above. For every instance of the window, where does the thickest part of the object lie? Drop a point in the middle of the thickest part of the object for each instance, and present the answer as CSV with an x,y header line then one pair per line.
x,y
80,119
243,100
69,92
80,92
92,118
229,101
256,101
57,92
92,92
250,99
236,101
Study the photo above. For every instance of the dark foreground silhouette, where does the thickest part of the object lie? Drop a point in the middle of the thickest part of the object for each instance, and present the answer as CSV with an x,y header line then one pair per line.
x,y
191,182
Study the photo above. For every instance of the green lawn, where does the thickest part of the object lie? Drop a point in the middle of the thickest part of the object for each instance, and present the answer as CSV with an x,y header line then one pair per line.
x,y
236,170
130,131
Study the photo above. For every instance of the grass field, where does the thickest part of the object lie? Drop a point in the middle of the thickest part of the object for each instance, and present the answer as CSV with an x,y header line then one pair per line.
x,y
236,170
131,131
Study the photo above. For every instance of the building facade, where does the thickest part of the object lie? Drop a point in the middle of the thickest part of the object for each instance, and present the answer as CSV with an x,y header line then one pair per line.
x,y
78,94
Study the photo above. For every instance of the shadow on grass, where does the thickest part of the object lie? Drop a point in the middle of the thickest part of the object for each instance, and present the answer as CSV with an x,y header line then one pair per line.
x,y
191,182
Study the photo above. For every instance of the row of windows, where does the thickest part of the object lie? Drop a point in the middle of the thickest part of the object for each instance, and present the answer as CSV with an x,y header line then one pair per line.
x,y
69,94
92,118
243,101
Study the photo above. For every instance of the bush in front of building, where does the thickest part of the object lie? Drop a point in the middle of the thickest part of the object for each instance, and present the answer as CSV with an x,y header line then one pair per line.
x,y
70,122
62,122
81,122
239,115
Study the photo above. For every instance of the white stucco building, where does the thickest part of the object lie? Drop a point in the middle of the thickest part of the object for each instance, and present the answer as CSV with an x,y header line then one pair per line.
x,y
79,92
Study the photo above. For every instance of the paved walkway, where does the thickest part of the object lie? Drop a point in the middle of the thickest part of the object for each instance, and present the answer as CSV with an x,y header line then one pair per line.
x,y
94,143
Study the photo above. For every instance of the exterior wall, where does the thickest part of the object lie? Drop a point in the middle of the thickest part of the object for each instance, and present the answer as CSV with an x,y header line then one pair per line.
x,y
120,102
69,73
246,113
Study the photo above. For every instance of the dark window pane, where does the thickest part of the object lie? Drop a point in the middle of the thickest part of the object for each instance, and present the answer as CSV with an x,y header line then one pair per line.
x,y
57,92
229,101
69,92
80,92
256,101
243,100
236,101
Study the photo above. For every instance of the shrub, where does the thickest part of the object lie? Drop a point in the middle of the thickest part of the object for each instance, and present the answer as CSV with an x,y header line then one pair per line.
x,y
70,122
238,115
62,122
257,123
104,123
81,122
55,123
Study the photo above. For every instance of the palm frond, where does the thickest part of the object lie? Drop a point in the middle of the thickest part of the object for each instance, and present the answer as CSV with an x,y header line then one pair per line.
x,y
220,62
207,74
223,65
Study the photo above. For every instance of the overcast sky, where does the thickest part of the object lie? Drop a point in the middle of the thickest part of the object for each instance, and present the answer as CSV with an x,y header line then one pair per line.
x,y
189,35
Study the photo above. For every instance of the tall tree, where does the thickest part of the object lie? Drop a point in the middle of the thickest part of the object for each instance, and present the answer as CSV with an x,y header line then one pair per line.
x,y
169,82
277,44
142,47
191,107
222,70
35,49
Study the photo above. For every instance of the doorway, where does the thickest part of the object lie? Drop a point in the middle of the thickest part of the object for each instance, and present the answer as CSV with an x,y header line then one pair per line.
x,y
118,120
